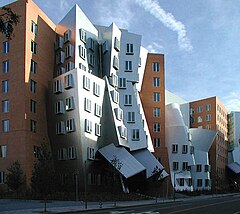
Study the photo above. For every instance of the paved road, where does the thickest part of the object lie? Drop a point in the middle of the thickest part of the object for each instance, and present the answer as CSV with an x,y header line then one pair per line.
x,y
219,205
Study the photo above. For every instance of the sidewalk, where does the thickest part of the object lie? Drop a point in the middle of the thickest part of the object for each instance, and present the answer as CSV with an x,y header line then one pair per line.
x,y
32,206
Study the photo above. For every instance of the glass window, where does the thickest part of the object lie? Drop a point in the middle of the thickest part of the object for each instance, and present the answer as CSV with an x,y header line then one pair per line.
x,y
2,177
128,100
156,81
208,117
116,44
208,107
91,59
175,166
174,148
181,182
70,125
6,47
69,51
57,87
199,119
60,128
67,36
86,83
135,134
129,49
156,112
156,127
128,66
72,154
3,151
82,52
5,106
199,182
156,66
88,126
33,67
33,126
97,129
122,82
199,109
116,62
98,110
33,86
156,142
68,81
96,89
5,86
34,47
88,105
5,125
34,28
199,168
184,149
83,36
156,97
33,106
131,117
115,96
5,66
69,103
185,166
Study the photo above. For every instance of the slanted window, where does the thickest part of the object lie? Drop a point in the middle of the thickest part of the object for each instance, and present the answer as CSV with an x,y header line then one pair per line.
x,y
175,148
33,67
114,80
69,51
156,66
115,62
207,168
88,105
60,55
33,47
88,126
96,89
69,66
123,132
90,153
191,150
68,81
98,110
118,113
129,49
105,47
82,52
69,103
57,87
67,36
91,44
33,86
59,42
97,129
83,36
115,96
91,59
72,153
34,28
86,83
33,106
62,154
135,134
116,44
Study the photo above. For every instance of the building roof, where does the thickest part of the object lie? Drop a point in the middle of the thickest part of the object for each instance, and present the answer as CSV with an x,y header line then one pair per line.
x,y
235,167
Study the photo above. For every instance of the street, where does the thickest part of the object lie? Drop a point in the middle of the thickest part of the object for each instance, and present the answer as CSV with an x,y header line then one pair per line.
x,y
219,205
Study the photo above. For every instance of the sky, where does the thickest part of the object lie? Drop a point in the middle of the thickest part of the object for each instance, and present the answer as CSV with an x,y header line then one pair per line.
x,y
200,39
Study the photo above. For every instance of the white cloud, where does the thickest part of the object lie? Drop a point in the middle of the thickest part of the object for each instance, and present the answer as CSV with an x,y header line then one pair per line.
x,y
168,20
154,47
232,101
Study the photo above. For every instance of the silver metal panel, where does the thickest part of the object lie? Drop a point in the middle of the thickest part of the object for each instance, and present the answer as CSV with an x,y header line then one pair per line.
x,y
235,167
148,160
129,165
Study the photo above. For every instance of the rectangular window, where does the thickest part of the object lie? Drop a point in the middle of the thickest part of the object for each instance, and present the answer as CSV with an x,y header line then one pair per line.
x,y
91,44
2,177
62,154
96,89
5,66
123,132
34,28
68,81
3,151
33,106
175,166
33,47
90,153
156,112
199,168
86,83
82,52
208,117
59,107
5,125
60,128
5,86
83,36
129,49
115,96
97,129
199,119
88,105
156,66
156,127
118,113
69,66
67,36
57,87
175,148
131,117
199,182
185,166
199,109
191,150
69,103
116,44
115,62
72,154
6,46
207,183
37,151
98,110
127,99
33,86
88,126
60,56
181,182
156,81
128,66
105,47
208,107
69,51
59,42
33,67
135,134
156,142
5,106
156,97
33,126
184,149
122,82
70,125
207,168
91,59
114,80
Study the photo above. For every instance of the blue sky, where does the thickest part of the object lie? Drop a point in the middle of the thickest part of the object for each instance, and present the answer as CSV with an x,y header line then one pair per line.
x,y
200,39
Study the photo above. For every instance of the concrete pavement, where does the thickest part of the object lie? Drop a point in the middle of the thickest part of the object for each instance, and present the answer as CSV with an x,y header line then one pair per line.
x,y
34,206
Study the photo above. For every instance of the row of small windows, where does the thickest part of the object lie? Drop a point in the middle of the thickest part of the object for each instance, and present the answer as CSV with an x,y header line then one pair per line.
x,y
5,106
62,127
70,153
89,127
88,107
181,182
185,166
200,109
68,83
87,86
185,149
6,125
69,105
